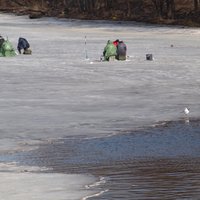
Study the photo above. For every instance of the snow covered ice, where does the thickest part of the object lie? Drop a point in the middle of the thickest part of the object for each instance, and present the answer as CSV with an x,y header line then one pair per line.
x,y
56,92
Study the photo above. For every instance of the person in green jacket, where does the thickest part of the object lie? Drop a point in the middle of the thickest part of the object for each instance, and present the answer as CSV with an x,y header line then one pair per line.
x,y
110,50
7,50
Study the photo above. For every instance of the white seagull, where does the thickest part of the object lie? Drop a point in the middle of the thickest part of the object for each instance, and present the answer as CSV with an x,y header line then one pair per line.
x,y
186,111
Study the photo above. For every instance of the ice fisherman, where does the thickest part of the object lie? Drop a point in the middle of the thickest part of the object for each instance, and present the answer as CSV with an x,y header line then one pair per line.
x,y
6,48
116,42
121,51
110,50
23,44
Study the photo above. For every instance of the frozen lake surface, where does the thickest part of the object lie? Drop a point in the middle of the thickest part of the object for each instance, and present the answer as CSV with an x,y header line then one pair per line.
x,y
57,93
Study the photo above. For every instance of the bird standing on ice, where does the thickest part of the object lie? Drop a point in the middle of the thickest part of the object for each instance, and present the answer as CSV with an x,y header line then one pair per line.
x,y
186,111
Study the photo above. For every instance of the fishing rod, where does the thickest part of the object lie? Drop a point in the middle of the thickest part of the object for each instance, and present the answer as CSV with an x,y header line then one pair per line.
x,y
86,55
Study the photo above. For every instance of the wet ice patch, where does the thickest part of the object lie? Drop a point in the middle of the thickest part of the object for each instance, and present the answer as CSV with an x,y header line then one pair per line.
x,y
14,167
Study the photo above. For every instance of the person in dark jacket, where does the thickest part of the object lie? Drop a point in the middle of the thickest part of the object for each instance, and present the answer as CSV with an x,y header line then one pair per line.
x,y
23,44
121,51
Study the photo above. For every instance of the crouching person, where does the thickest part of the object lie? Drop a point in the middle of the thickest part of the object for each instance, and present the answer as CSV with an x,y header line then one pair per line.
x,y
110,51
6,48
24,45
121,51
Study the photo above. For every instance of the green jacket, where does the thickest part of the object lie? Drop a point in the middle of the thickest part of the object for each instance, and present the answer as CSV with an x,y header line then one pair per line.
x,y
109,50
7,50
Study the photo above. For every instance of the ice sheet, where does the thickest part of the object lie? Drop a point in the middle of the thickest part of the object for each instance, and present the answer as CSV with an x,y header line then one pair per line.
x,y
56,92
17,186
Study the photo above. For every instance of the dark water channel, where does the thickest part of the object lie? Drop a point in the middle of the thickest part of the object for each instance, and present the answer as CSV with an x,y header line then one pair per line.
x,y
161,162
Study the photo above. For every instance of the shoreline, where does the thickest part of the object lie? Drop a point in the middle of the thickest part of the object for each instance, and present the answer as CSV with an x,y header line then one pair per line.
x,y
35,14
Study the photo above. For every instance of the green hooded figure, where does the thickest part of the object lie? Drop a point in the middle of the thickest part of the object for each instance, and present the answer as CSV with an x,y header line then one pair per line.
x,y
7,50
109,50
